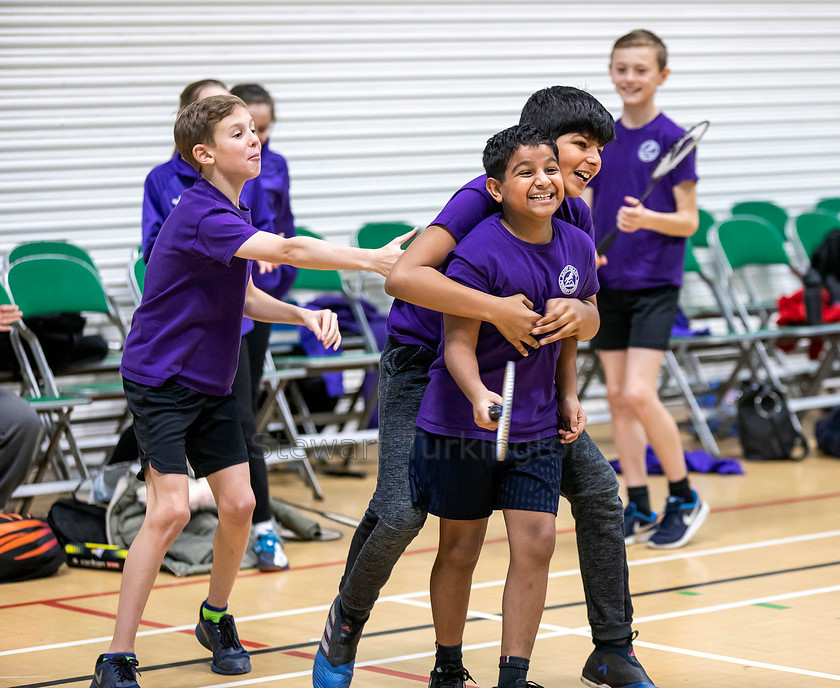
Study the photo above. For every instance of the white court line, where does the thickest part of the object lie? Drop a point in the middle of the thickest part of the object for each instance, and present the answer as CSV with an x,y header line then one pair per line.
x,y
477,586
585,632
373,662
554,631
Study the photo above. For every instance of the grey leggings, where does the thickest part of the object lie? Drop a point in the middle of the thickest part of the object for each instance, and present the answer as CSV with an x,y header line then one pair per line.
x,y
392,521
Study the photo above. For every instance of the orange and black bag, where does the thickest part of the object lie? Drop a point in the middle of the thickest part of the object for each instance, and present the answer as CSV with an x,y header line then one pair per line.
x,y
28,549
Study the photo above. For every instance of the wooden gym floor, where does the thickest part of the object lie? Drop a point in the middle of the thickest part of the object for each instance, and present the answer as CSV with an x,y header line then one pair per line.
x,y
752,601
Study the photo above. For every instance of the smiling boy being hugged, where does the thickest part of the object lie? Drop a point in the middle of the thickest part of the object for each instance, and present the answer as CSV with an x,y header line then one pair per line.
x,y
179,361
454,471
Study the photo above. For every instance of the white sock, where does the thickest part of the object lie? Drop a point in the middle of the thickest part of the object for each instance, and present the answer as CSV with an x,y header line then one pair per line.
x,y
263,527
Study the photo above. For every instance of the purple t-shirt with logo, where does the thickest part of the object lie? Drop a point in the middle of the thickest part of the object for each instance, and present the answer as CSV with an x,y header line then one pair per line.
x,y
472,203
644,258
492,260
187,326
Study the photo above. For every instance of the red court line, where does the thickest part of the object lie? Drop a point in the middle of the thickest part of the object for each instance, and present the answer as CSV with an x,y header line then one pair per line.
x,y
372,669
204,578
143,622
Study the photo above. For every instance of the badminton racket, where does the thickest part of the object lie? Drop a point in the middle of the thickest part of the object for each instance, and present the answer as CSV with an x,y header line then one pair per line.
x,y
502,413
667,163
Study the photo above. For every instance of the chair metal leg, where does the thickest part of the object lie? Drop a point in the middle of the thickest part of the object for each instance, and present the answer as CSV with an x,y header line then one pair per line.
x,y
696,413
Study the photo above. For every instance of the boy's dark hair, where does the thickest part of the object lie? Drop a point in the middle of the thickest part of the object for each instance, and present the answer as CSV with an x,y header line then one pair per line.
x,y
560,110
191,91
196,122
254,94
501,147
643,37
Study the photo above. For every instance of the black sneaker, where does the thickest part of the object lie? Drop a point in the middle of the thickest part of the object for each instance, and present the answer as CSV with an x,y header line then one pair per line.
x,y
229,657
449,676
116,672
525,683
614,667
336,655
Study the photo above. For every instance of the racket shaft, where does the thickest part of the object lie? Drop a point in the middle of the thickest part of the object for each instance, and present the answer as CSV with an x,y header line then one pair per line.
x,y
611,237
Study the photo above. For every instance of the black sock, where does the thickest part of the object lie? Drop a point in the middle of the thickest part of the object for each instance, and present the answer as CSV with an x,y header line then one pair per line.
x,y
512,668
448,654
639,496
681,489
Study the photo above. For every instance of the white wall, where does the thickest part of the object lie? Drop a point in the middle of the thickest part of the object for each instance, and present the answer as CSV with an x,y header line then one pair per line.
x,y
384,107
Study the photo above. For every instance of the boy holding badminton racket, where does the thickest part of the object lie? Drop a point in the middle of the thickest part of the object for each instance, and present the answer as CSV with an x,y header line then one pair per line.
x,y
581,127
179,362
454,471
640,275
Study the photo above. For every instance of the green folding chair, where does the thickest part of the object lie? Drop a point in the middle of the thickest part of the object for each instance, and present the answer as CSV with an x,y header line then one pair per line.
x,y
830,206
699,238
377,234
48,248
809,229
136,274
767,210
53,409
46,284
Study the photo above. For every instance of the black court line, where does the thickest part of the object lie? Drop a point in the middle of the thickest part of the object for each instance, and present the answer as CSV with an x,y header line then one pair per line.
x,y
423,627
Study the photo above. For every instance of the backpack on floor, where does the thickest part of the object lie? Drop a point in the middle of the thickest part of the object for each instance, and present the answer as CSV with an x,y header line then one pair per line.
x,y
765,427
28,549
828,432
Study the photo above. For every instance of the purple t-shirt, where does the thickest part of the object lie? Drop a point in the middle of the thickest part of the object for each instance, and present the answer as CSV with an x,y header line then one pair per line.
x,y
644,258
472,203
187,326
494,261
274,180
161,192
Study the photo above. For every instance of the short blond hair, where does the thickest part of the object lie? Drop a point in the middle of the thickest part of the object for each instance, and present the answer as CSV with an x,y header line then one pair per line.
x,y
197,121
642,37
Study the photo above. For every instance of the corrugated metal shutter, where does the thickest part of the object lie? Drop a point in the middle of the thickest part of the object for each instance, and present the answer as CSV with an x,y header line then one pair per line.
x,y
384,106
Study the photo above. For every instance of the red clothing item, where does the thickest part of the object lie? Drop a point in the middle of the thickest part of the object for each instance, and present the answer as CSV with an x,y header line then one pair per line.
x,y
792,312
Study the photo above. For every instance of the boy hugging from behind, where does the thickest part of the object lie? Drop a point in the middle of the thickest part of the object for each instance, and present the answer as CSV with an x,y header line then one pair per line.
x,y
454,471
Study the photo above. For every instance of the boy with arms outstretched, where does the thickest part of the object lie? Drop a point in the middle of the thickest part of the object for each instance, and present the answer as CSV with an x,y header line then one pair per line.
x,y
454,471
179,361
641,280
581,127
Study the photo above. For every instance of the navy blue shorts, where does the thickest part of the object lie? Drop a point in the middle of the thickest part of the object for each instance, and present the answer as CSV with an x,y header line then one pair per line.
x,y
174,424
460,478
638,318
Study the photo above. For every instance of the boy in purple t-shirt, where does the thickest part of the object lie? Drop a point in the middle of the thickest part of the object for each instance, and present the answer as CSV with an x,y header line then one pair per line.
x,y
454,471
582,127
641,277
162,191
179,361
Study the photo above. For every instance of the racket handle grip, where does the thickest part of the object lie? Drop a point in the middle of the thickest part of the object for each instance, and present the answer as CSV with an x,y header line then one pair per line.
x,y
495,412
604,246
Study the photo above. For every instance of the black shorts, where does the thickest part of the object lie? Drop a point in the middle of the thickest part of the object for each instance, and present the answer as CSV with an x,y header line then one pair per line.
x,y
174,424
460,478
639,318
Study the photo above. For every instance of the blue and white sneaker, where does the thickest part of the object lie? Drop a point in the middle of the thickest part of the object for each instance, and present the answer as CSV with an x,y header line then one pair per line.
x,y
638,527
336,656
116,672
681,520
269,550
229,657
615,667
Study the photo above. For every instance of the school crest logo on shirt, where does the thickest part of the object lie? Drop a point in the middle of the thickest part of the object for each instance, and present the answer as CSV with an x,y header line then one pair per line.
x,y
649,151
569,279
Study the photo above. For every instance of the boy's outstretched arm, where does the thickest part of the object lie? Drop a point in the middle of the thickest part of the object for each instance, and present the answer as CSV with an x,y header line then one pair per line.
x,y
571,416
681,223
306,252
260,306
577,319
416,279
460,339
